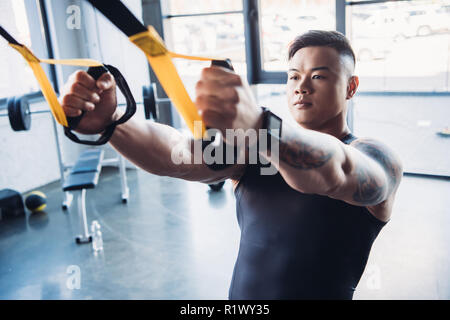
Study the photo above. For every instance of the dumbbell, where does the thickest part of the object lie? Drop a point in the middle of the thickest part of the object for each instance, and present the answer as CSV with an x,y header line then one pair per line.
x,y
19,113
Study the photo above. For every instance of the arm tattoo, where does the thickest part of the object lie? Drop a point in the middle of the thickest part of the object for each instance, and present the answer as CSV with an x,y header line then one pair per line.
x,y
302,155
369,190
383,156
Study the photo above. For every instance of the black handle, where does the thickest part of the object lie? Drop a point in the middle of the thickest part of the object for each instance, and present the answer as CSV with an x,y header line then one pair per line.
x,y
94,72
223,63
226,148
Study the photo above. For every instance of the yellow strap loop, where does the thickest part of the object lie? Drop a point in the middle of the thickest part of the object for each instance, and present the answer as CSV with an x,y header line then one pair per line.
x,y
44,83
160,60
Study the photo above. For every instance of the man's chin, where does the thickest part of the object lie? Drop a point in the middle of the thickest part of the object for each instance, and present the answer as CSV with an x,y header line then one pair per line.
x,y
305,123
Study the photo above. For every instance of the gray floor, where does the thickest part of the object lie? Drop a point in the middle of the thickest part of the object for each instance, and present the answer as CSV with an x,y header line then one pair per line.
x,y
177,240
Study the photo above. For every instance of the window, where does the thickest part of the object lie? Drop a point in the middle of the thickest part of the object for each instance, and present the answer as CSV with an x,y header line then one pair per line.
x,y
403,55
283,20
403,61
401,46
204,28
181,7
16,77
271,25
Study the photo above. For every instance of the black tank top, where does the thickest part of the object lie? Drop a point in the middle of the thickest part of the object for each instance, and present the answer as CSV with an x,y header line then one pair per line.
x,y
295,245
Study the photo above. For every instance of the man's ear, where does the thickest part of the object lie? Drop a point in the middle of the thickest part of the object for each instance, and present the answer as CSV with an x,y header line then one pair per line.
x,y
352,86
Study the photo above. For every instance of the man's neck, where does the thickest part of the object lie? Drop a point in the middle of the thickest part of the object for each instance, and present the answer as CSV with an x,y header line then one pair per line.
x,y
337,127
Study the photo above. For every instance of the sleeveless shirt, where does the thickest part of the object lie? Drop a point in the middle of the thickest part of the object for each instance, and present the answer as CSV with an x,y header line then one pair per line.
x,y
295,245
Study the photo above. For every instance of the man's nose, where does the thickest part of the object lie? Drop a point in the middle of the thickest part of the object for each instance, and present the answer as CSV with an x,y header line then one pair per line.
x,y
303,88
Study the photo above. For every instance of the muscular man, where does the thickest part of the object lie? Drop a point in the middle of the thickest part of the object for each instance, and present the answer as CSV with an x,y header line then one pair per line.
x,y
306,232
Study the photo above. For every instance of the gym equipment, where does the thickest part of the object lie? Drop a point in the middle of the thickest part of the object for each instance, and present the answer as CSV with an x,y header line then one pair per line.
x,y
151,100
44,83
96,68
217,186
96,72
159,57
35,201
19,112
148,93
148,41
84,175
11,204
157,54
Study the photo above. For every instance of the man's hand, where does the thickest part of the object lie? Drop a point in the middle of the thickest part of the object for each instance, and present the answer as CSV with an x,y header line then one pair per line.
x,y
97,98
225,101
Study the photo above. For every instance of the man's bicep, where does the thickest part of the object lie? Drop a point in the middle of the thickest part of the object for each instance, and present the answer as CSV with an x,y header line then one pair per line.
x,y
376,184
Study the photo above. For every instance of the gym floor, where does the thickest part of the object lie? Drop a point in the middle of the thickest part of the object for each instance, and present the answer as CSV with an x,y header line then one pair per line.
x,y
179,240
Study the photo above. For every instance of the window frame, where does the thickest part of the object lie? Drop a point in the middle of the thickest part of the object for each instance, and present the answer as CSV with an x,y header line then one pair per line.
x,y
255,72
37,17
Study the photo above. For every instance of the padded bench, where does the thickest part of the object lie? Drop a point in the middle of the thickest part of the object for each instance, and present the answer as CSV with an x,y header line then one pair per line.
x,y
84,175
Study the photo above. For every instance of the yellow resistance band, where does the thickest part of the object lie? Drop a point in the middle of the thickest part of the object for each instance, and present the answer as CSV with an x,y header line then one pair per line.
x,y
46,87
160,60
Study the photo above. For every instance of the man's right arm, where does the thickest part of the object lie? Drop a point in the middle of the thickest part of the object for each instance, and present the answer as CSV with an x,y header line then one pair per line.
x,y
158,149
151,146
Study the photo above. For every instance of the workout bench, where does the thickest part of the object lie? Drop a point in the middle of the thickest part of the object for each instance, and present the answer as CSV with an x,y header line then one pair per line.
x,y
84,175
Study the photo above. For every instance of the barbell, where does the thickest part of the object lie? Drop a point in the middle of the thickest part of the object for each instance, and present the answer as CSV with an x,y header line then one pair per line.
x,y
19,113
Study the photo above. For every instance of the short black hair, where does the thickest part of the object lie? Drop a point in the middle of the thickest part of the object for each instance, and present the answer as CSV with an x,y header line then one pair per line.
x,y
321,38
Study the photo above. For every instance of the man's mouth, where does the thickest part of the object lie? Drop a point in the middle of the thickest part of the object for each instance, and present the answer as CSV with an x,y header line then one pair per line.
x,y
302,104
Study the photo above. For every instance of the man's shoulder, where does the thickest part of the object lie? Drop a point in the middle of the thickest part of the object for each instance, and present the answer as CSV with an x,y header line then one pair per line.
x,y
382,154
378,151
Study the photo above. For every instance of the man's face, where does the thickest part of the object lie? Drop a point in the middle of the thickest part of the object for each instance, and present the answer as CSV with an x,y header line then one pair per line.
x,y
317,86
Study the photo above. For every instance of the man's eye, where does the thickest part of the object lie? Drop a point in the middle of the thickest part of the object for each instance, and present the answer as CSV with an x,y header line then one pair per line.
x,y
316,76
293,78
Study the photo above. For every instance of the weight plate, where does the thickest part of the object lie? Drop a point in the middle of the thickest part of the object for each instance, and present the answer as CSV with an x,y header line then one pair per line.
x,y
146,102
19,113
13,121
24,111
148,96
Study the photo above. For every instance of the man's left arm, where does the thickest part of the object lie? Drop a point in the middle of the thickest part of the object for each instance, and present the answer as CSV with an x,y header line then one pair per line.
x,y
364,173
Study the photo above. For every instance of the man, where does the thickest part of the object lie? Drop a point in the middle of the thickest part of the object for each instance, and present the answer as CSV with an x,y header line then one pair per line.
x,y
306,232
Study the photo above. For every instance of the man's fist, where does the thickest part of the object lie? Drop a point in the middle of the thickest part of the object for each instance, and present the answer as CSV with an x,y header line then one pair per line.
x,y
225,101
96,97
